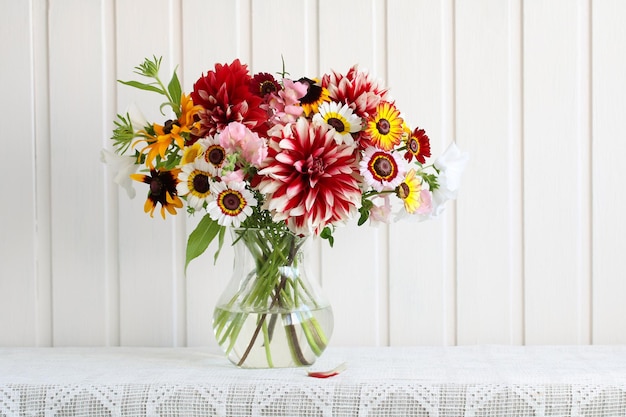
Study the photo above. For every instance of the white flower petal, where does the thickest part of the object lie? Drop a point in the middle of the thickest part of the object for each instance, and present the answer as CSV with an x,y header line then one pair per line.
x,y
123,166
452,163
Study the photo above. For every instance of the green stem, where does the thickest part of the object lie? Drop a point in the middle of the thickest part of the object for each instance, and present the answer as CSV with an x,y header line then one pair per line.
x,y
272,281
268,351
277,299
292,338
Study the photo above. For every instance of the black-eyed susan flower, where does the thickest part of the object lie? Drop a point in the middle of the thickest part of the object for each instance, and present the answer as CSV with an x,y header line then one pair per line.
x,y
162,190
172,131
381,170
194,185
230,203
315,95
341,119
385,127
417,146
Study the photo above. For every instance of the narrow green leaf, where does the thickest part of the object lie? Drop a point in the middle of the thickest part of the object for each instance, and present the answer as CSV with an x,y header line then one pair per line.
x,y
142,86
175,90
220,243
201,238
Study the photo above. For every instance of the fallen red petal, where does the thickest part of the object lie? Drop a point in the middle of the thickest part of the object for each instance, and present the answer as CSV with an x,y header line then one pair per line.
x,y
328,374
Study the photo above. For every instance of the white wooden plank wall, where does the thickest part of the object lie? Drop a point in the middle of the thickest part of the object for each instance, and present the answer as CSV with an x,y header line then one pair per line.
x,y
532,252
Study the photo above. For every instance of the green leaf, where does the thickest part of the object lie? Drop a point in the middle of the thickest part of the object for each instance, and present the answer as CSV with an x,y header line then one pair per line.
x,y
365,211
149,68
175,91
142,86
201,238
123,134
327,234
431,179
220,243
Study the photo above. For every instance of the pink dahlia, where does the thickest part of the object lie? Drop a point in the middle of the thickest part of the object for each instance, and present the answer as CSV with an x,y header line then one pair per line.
x,y
357,89
310,181
225,97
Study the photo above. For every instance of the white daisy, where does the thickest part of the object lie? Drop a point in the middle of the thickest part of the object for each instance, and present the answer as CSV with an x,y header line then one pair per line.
x,y
212,156
341,118
382,170
231,203
194,184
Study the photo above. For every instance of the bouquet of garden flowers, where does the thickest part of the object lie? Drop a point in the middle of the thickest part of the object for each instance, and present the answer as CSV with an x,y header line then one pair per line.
x,y
279,154
257,151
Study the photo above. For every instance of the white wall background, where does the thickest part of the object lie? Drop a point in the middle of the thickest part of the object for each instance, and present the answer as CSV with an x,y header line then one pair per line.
x,y
532,252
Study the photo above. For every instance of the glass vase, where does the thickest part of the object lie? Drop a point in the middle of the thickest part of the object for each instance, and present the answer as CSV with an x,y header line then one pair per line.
x,y
272,313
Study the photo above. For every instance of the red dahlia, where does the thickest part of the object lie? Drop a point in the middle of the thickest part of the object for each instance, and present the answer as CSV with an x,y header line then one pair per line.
x,y
225,97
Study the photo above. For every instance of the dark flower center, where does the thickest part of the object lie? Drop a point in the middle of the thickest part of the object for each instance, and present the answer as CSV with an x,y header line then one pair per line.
x,y
383,126
267,87
201,183
403,190
216,155
169,125
337,124
231,201
156,186
383,167
413,145
313,93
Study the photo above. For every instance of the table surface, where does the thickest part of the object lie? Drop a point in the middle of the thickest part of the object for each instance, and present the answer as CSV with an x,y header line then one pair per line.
x,y
420,381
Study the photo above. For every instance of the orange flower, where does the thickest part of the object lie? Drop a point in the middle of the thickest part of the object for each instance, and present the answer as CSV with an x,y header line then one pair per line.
x,y
176,131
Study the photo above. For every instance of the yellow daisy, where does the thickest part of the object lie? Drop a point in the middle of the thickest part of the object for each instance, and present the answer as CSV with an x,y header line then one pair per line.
x,y
314,96
385,128
410,191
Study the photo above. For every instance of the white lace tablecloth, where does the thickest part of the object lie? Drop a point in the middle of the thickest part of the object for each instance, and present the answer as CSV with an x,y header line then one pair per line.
x,y
417,381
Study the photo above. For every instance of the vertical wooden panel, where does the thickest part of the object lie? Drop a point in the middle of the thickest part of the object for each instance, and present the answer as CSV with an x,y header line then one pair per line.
x,y
292,34
419,313
180,231
41,130
489,242
609,146
448,132
110,226
148,265
555,194
343,19
354,271
18,273
77,201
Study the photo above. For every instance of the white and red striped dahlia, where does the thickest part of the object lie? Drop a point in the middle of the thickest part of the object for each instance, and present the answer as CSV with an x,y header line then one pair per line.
x,y
357,89
309,180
